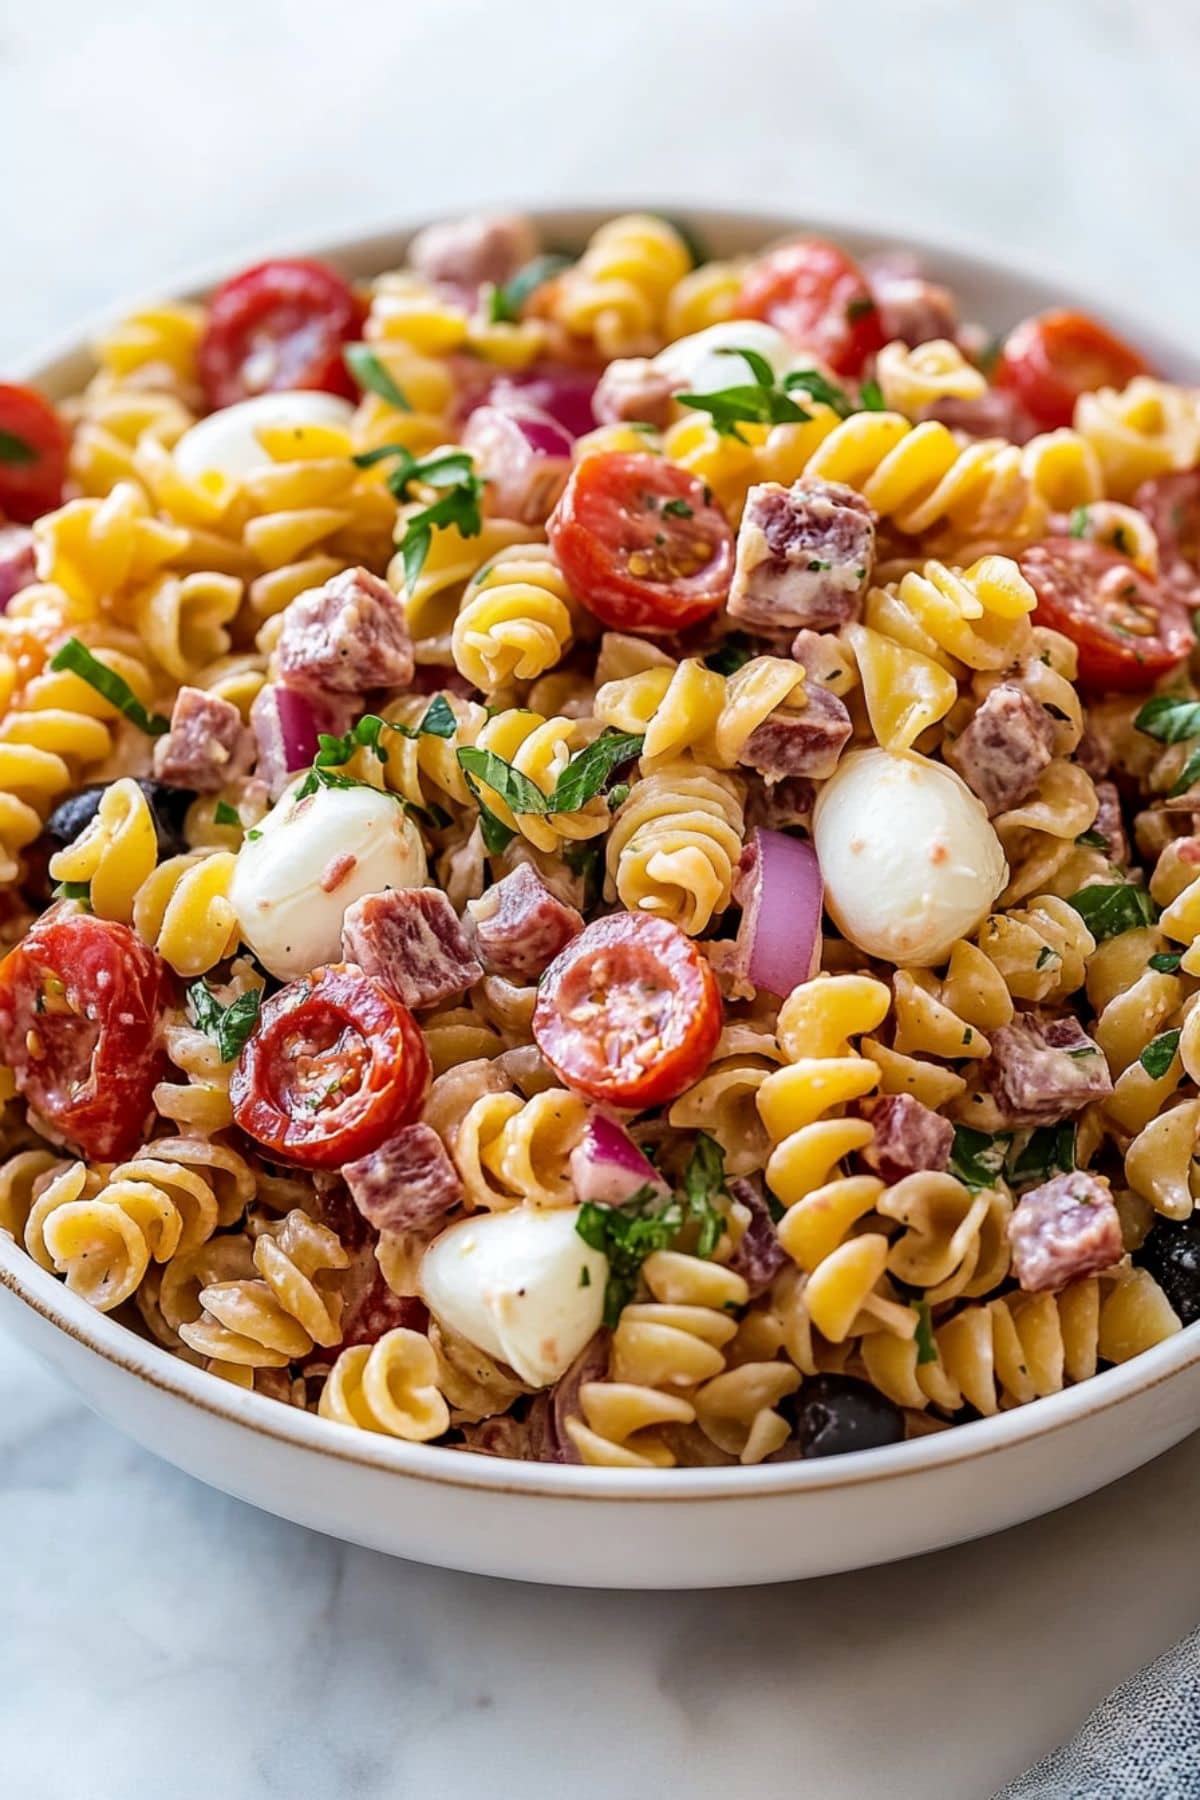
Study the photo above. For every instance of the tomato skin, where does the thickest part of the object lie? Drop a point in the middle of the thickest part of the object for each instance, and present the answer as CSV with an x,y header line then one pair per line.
x,y
30,488
1052,358
819,298
630,562
1129,629
333,1026
81,999
659,1011
277,326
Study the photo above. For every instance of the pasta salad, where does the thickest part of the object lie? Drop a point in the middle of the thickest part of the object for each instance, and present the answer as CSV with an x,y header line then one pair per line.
x,y
599,851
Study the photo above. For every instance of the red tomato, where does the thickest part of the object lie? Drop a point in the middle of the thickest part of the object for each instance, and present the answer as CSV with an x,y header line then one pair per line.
x,y
630,1012
818,297
279,325
1128,628
33,455
80,1004
1049,360
643,545
335,1066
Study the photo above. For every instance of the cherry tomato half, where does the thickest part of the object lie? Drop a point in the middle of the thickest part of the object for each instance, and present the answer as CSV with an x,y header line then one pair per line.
x,y
629,1012
819,298
80,1003
33,455
1128,628
279,325
642,543
1049,360
335,1065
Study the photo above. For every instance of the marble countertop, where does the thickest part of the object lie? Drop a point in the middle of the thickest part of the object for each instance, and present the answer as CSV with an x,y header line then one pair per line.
x,y
156,1637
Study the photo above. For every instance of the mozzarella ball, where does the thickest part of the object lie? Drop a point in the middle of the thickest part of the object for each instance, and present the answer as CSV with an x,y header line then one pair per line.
x,y
699,364
521,1286
908,855
226,442
292,884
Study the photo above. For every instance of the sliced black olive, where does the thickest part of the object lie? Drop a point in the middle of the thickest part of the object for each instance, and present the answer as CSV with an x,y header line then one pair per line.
x,y
834,1414
1171,1253
168,806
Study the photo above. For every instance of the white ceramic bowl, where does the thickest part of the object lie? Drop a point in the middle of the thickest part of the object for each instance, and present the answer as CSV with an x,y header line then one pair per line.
x,y
607,1527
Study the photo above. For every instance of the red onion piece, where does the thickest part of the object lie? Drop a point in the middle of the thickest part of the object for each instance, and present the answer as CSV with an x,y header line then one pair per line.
x,y
285,729
525,457
781,895
564,393
17,568
607,1166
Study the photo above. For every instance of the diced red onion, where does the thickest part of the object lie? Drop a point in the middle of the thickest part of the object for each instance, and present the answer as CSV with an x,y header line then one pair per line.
x,y
525,457
285,729
607,1166
564,393
17,568
781,894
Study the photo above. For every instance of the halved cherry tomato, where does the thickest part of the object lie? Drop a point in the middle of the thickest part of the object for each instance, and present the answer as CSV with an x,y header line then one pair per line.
x,y
642,543
1128,628
279,325
80,1004
1049,360
630,1012
33,454
335,1065
819,298
1172,505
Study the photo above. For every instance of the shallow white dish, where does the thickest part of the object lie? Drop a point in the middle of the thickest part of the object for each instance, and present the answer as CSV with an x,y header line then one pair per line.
x,y
607,1527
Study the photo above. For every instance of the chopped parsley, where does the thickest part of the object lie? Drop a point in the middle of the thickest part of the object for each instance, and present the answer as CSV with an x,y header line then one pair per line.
x,y
678,509
1093,840
1081,518
74,890
870,397
1159,1054
650,1221
1049,1150
228,1026
1170,718
976,1159
923,1337
1023,1159
732,655
1109,909
224,814
373,378
112,687
460,504
1166,962
703,1180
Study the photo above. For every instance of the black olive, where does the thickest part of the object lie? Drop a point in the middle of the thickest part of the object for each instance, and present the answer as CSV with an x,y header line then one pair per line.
x,y
1171,1253
833,1414
168,806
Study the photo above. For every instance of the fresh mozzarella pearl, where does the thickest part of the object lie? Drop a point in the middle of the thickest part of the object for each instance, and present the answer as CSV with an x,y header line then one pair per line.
x,y
698,365
292,884
226,443
521,1285
909,858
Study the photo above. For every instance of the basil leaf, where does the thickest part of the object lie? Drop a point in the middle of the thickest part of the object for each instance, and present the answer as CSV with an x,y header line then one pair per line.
x,y
870,397
678,509
819,388
73,890
977,1159
1094,840
923,1338
224,814
460,506
1050,1150
16,451
1166,962
228,1026
497,836
1189,775
414,547
588,771
627,1235
517,791
366,733
506,299
115,689
1170,718
755,361
1109,910
1159,1054
732,655
372,377
439,720
703,1180
758,405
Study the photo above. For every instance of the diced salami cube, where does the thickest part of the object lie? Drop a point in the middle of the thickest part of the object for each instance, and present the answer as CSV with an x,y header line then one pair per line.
x,y
17,567
908,1136
207,745
1004,749
1042,1070
806,743
632,388
411,940
348,637
1067,1228
911,308
759,1255
1109,823
780,805
997,413
519,926
372,1309
467,252
407,1184
804,555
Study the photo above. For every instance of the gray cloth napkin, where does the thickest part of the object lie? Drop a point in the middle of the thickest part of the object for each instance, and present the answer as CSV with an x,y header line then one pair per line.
x,y
1142,1743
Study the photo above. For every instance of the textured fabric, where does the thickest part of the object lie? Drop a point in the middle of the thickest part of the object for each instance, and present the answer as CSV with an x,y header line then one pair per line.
x,y
1142,1743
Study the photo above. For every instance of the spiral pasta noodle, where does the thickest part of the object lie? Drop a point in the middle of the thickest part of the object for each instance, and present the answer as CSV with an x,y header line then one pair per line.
x,y
675,842
291,1305
388,1387
515,620
619,290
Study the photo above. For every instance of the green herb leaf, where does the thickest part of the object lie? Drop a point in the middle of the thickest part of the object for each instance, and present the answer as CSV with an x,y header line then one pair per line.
x,y
497,836
627,1235
1170,718
1080,520
228,1026
585,1276
1094,840
924,1340
762,404
506,299
703,1180
460,505
73,890
1050,1150
79,660
1166,962
16,451
1107,910
1189,775
870,397
589,770
372,377
977,1159
1046,955
678,509
820,389
617,795
224,814
519,793
1159,1054
732,655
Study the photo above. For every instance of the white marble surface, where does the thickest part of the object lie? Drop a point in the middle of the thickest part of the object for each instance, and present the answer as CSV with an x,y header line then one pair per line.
x,y
157,1638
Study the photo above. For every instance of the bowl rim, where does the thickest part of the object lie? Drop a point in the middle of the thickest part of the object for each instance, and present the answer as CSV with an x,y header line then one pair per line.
x,y
150,1363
